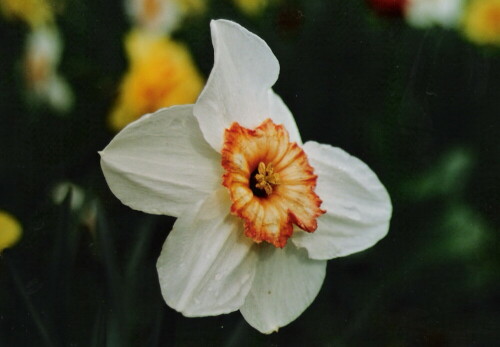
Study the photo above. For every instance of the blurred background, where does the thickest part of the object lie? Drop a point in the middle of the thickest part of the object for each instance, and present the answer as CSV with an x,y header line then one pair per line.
x,y
412,88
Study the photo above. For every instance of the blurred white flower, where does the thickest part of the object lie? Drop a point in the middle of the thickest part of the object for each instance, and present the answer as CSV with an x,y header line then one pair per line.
x,y
85,207
160,16
427,13
259,242
43,83
60,191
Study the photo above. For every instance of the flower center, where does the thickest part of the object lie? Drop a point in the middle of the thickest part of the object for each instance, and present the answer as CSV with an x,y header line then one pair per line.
x,y
270,182
264,179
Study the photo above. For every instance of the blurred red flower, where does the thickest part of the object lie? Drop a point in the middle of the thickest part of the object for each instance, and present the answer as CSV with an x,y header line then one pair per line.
x,y
388,7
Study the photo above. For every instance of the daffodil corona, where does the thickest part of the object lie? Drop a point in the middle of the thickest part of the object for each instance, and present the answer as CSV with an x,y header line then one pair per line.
x,y
258,210
270,182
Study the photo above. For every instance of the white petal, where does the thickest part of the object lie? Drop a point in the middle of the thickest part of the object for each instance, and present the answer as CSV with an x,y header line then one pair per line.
x,y
238,89
161,163
358,208
207,265
285,284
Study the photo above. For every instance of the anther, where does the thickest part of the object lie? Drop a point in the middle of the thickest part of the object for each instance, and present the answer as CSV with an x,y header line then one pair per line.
x,y
266,178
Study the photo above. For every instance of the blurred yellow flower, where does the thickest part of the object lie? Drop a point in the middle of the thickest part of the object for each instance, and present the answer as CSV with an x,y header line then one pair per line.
x,y
10,230
192,6
482,21
251,7
161,74
33,12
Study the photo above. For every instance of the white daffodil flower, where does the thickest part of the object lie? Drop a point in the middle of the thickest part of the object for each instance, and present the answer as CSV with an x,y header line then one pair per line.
x,y
259,212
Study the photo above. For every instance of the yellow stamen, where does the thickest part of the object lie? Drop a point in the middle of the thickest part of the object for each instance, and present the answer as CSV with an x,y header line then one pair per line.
x,y
266,178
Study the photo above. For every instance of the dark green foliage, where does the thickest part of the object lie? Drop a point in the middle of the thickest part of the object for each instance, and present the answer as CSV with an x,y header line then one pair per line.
x,y
421,108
